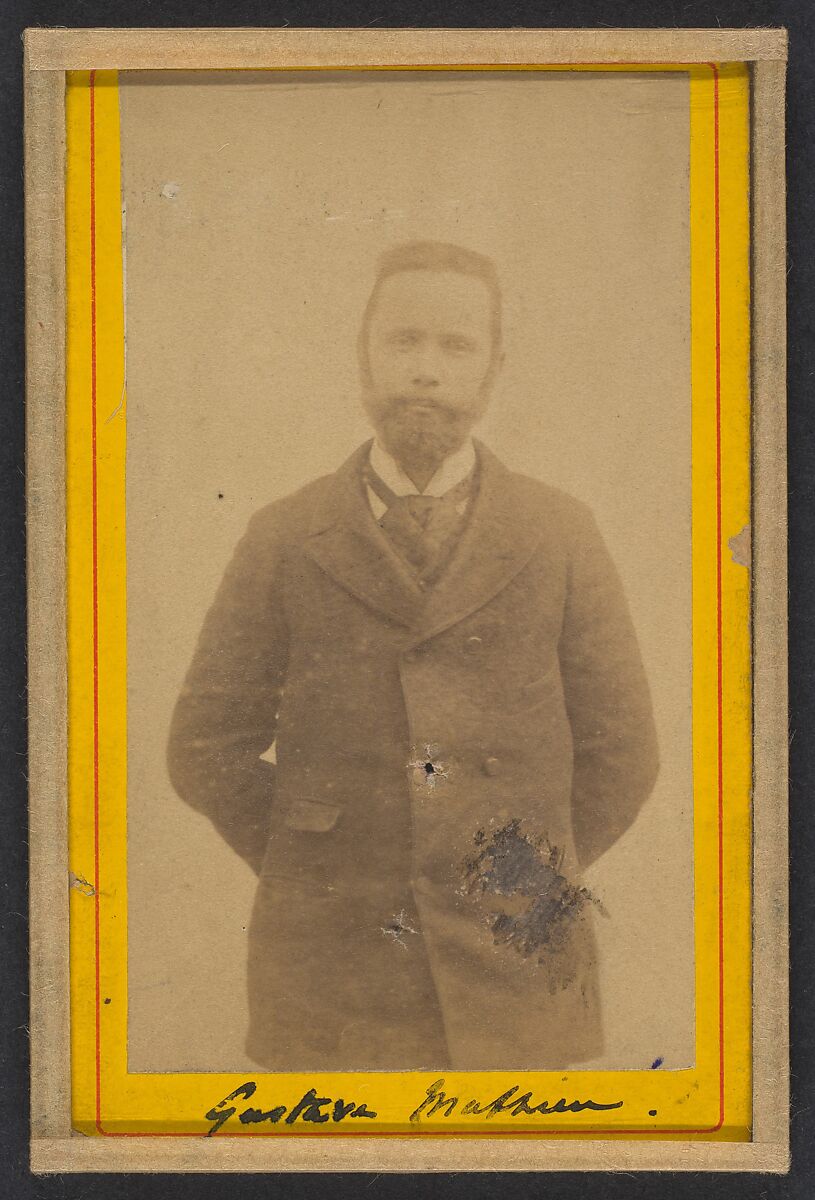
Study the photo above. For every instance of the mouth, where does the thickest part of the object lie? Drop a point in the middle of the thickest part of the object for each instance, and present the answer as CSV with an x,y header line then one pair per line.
x,y
419,406
424,412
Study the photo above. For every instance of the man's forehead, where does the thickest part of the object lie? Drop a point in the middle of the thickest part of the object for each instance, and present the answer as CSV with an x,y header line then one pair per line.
x,y
433,293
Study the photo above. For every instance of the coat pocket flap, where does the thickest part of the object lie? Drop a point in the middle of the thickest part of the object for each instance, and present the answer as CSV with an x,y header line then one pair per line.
x,y
312,816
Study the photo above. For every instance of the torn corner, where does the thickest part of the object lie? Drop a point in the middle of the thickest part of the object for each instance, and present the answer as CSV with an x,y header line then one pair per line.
x,y
80,884
741,548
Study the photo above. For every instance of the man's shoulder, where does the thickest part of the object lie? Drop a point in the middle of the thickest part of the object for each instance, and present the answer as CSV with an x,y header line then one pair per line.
x,y
540,501
563,525
560,522
545,495
290,517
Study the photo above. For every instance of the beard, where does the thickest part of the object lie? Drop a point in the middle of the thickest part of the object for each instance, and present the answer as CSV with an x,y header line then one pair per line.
x,y
418,430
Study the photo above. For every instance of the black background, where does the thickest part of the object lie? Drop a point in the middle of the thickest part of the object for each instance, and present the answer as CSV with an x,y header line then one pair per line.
x,y
799,19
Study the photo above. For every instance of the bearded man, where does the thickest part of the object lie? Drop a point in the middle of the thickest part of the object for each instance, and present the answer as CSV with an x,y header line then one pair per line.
x,y
440,652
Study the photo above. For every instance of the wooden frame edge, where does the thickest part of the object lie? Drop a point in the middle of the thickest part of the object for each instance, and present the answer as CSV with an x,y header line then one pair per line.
x,y
47,692
383,1155
769,609
158,49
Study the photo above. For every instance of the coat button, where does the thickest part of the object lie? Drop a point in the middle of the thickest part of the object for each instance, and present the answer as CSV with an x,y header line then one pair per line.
x,y
473,644
492,766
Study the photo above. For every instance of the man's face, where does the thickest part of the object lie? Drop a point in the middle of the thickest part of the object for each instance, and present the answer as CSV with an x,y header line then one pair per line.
x,y
430,361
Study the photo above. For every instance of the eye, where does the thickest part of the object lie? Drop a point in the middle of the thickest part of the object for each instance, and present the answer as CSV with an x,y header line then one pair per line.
x,y
457,344
403,339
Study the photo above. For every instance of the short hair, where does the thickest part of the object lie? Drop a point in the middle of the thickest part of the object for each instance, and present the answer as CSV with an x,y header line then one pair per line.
x,y
436,256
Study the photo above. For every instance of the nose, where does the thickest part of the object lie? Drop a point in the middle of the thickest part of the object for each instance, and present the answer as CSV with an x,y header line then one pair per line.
x,y
426,371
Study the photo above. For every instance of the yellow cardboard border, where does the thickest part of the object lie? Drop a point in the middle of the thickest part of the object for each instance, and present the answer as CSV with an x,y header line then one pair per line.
x,y
711,1101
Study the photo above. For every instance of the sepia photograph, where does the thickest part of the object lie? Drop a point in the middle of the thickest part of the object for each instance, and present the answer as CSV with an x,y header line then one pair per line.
x,y
408,571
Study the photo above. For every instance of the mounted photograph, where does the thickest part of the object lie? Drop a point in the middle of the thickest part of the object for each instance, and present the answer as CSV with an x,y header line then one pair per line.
x,y
407,600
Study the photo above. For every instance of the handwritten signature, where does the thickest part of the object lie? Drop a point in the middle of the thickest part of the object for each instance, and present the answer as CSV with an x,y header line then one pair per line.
x,y
315,1109
508,1102
308,1108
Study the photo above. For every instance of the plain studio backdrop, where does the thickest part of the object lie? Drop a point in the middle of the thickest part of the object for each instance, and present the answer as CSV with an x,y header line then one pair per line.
x,y
255,207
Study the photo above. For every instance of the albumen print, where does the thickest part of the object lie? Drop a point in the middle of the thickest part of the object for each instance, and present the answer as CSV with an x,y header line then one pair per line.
x,y
408,563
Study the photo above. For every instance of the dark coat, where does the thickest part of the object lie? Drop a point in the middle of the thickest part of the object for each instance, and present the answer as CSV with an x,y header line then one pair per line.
x,y
404,917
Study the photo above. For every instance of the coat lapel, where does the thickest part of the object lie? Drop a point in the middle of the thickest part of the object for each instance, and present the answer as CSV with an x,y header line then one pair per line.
x,y
497,542
346,542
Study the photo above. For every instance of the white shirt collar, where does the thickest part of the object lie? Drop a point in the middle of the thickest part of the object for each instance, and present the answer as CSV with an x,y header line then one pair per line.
x,y
452,471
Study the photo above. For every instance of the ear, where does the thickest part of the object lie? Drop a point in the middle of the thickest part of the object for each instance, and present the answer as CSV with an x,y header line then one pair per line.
x,y
496,365
362,353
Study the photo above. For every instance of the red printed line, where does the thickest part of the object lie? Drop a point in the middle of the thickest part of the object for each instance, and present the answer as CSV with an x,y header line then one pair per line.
x,y
95,597
719,672
94,525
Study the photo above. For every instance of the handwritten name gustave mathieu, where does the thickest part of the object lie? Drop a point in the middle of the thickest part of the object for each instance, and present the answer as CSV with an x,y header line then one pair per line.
x,y
314,1109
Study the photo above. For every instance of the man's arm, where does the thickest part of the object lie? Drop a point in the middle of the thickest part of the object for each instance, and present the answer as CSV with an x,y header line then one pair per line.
x,y
226,714
607,698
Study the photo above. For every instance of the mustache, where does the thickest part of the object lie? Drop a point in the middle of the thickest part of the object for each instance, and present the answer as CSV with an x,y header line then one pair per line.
x,y
401,406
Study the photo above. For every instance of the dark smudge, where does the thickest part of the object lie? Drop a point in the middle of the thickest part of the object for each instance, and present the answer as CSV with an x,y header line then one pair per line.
x,y
543,905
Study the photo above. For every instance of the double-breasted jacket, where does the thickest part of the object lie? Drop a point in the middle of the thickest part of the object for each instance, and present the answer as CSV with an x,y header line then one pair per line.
x,y
410,728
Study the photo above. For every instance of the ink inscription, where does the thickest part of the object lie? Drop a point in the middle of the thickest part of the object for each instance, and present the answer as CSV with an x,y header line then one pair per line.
x,y
509,1102
310,1108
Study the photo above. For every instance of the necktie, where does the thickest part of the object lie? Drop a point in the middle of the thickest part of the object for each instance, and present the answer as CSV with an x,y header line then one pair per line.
x,y
421,528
